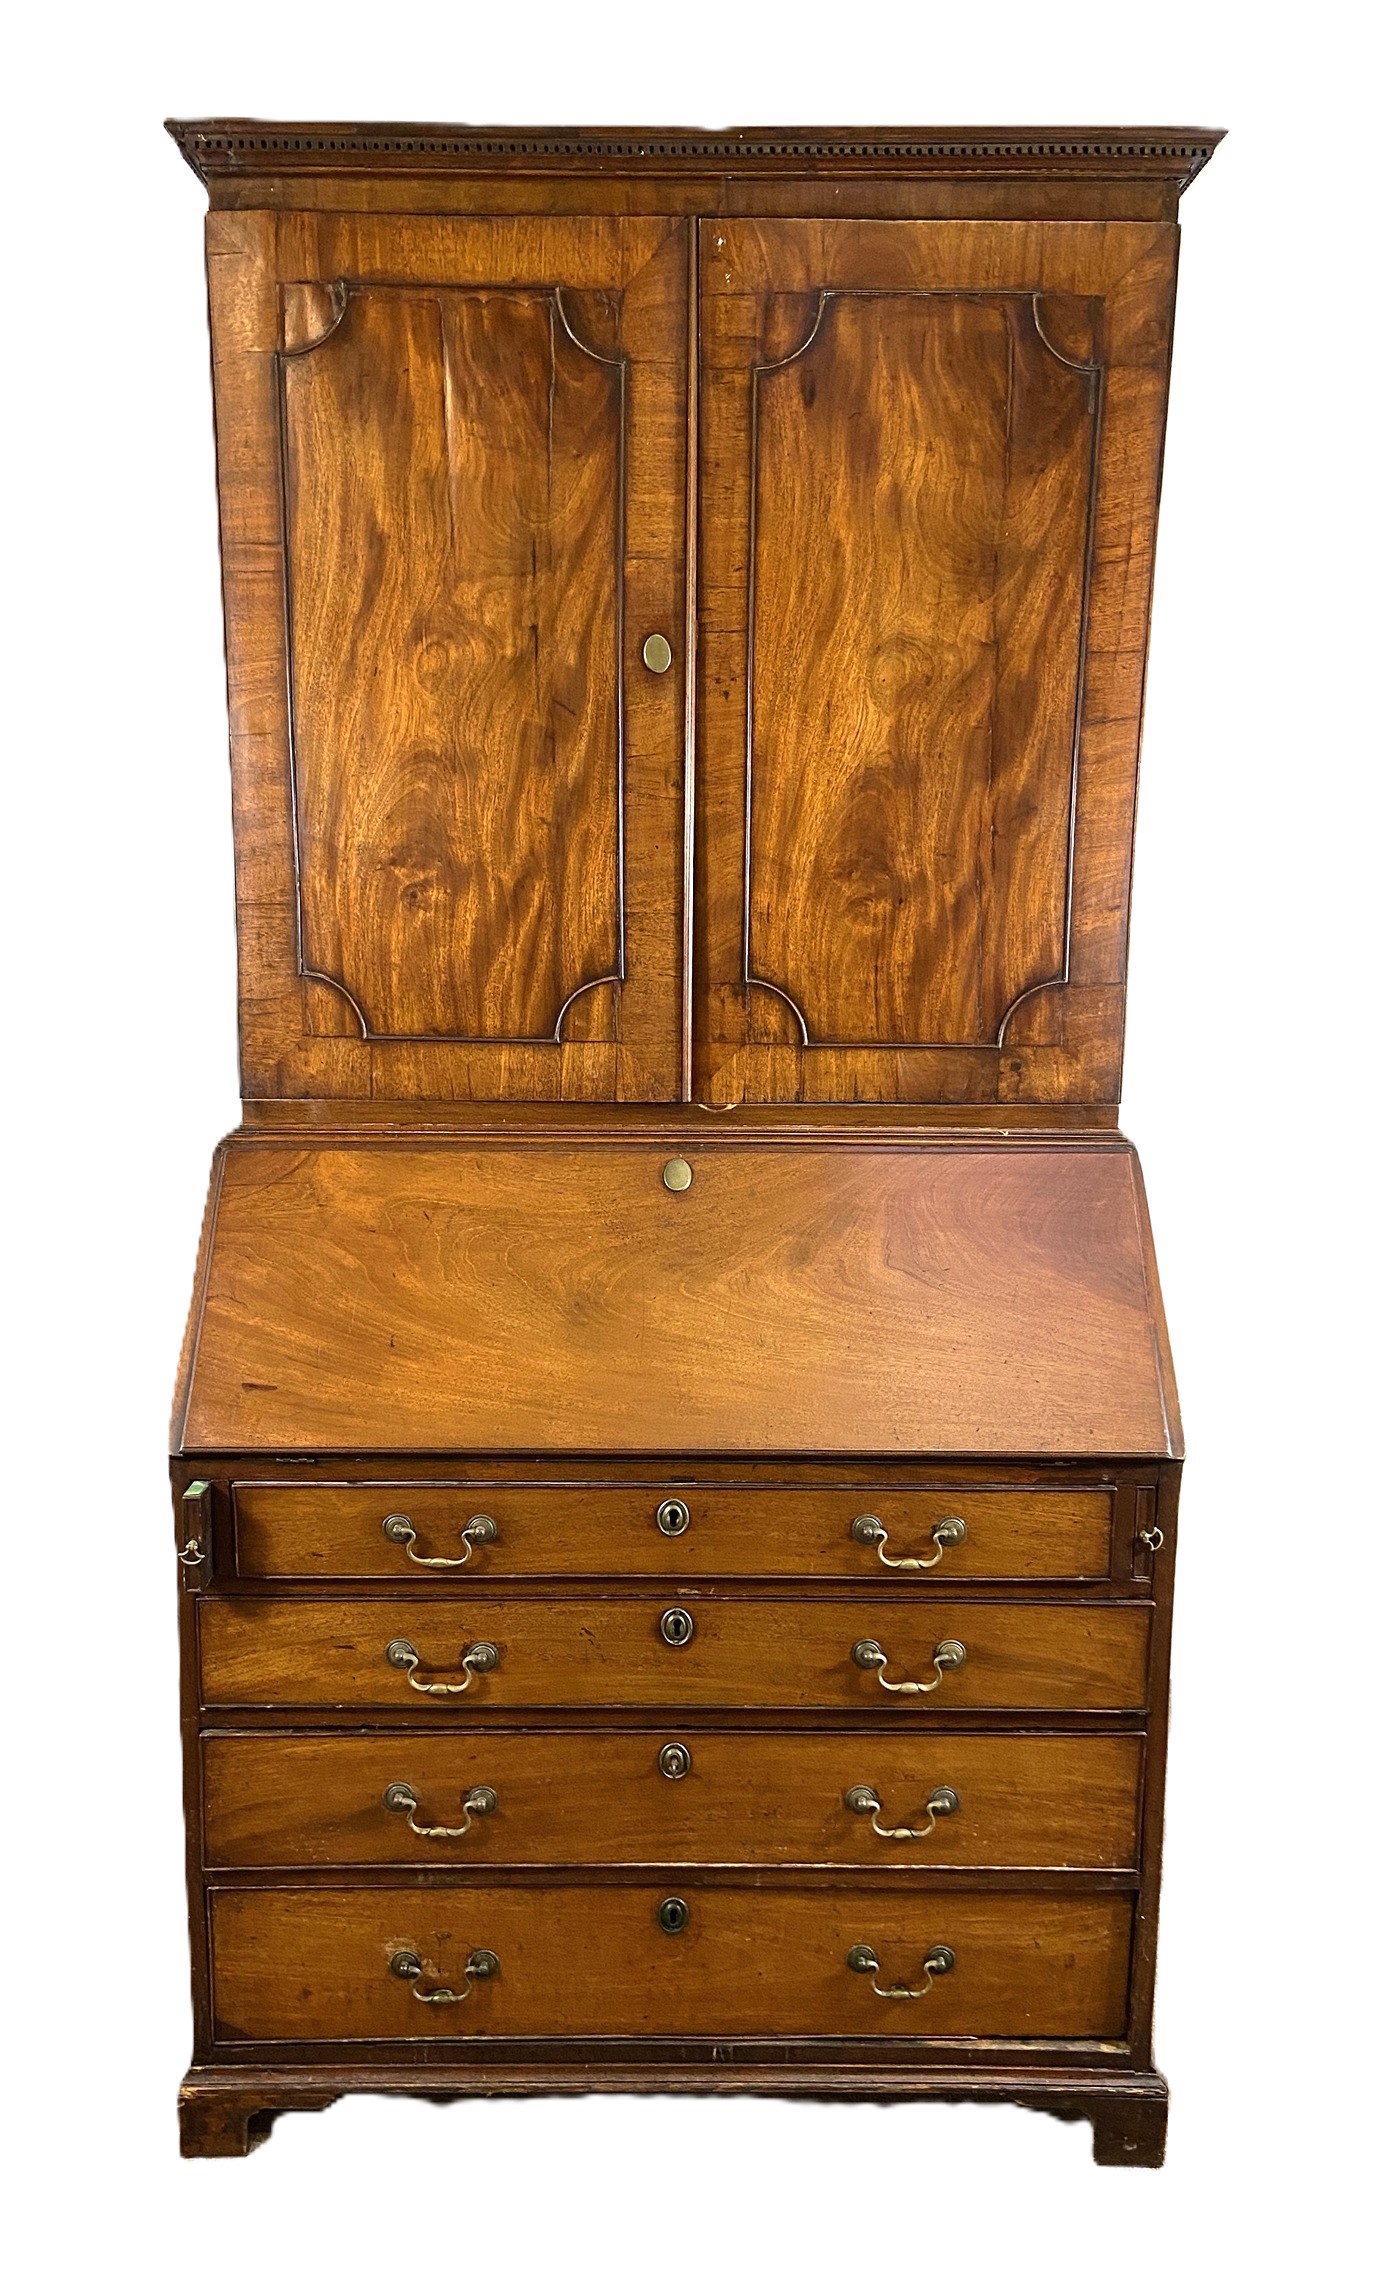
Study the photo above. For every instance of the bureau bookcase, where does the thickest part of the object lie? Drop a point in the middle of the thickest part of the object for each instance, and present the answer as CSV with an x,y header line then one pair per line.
x,y
675,1459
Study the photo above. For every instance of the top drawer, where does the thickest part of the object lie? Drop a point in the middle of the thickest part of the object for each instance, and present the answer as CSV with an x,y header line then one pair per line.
x,y
431,1533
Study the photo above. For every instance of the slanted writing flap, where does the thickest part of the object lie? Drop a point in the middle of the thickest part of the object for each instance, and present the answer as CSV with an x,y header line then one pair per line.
x,y
904,1301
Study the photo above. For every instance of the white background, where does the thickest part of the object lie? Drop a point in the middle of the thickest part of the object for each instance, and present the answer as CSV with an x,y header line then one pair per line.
x,y
1254,1085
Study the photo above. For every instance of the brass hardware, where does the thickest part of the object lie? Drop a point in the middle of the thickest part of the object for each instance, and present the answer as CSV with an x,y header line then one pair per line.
x,y
1152,1538
677,1627
673,1517
867,1529
399,1798
948,1655
196,1515
862,1960
863,1798
674,1915
657,655
480,1966
482,1656
400,1528
676,1175
674,1761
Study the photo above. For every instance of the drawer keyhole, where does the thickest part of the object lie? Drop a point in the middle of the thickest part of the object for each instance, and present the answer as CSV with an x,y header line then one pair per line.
x,y
677,1627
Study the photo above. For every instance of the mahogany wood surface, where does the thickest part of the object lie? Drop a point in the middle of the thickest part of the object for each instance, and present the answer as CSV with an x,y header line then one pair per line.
x,y
926,1302
930,466
451,470
869,839
313,1528
1026,1801
226,2110
290,1964
746,1652
865,425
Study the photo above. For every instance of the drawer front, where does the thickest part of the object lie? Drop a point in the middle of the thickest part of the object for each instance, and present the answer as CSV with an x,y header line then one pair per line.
x,y
305,1963
740,1653
1047,1801
405,1533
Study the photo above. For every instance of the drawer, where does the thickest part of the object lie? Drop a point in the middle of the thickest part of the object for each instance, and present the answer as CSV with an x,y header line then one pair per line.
x,y
301,1963
737,1652
341,1529
1050,1801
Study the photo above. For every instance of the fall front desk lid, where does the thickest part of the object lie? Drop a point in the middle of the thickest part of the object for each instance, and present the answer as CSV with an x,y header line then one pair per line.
x,y
938,1300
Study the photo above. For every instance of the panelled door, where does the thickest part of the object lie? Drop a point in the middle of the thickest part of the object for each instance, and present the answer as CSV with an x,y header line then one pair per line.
x,y
452,471
930,459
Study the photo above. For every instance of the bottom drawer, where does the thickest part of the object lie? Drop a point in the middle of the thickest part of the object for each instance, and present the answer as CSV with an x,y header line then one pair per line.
x,y
314,1963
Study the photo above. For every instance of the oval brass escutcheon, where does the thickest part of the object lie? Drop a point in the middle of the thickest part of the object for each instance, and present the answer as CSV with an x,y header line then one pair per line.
x,y
674,1915
677,1175
657,654
674,1761
677,1626
673,1517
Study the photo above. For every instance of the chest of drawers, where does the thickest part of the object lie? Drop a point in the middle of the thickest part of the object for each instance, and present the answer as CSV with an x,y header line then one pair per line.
x,y
676,1459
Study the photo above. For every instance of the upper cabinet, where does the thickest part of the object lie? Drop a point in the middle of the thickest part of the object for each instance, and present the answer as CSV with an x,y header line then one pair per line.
x,y
688,649
930,464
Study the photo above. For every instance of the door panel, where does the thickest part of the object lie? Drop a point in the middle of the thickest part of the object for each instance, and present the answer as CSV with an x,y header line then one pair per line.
x,y
460,443
453,462
930,461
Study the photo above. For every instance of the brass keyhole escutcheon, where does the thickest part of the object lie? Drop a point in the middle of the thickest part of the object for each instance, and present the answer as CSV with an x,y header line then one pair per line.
x,y
674,1915
673,1517
657,655
674,1761
677,1175
677,1626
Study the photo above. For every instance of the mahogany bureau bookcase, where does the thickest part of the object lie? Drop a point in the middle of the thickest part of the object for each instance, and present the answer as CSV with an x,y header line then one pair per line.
x,y
676,1458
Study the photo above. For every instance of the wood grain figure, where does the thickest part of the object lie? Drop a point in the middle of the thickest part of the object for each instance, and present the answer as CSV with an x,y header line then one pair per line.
x,y
676,1453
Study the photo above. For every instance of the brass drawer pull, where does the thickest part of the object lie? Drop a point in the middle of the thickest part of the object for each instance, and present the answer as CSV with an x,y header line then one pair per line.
x,y
399,1798
482,1656
480,1966
400,1528
863,1799
862,1960
867,1529
948,1655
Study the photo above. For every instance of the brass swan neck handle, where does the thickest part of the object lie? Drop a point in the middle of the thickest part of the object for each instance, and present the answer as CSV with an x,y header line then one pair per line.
x,y
399,1798
868,1528
948,1655
864,1799
940,1960
482,1656
400,1528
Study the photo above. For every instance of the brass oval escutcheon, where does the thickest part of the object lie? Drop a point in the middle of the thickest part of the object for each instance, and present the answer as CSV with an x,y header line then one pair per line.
x,y
674,1915
657,654
677,1175
674,1761
677,1626
673,1517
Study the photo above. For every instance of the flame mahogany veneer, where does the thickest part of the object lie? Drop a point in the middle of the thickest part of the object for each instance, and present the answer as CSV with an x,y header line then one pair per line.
x,y
676,1455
